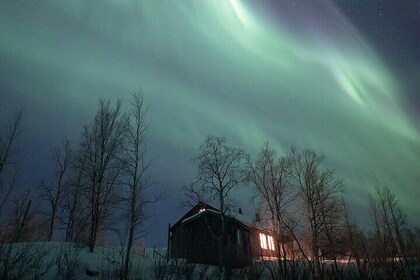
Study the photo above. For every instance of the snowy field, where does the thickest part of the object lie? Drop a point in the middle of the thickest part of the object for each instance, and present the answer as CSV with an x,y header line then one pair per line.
x,y
59,260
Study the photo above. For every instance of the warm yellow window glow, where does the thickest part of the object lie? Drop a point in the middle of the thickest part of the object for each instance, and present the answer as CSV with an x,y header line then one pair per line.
x,y
271,243
263,241
267,242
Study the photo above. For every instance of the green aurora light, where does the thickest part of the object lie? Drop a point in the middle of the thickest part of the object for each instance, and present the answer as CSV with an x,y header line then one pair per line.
x,y
216,67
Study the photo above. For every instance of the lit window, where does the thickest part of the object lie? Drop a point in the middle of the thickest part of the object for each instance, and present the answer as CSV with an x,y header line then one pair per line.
x,y
267,242
271,243
263,241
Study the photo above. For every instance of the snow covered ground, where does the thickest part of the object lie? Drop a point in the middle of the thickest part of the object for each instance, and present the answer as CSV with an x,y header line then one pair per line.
x,y
59,260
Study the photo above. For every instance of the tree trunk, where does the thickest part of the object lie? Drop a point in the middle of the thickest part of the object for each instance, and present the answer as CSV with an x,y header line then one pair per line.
x,y
127,253
315,253
130,235
22,223
221,249
92,235
50,232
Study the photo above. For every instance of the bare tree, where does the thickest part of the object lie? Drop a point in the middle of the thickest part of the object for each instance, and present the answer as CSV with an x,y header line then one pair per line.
x,y
332,233
318,188
220,170
390,224
135,166
102,145
413,251
74,214
19,225
53,192
193,195
26,260
9,136
271,178
354,241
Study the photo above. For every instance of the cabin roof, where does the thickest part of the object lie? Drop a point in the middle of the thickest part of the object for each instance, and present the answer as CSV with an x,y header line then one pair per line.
x,y
192,211
202,208
242,218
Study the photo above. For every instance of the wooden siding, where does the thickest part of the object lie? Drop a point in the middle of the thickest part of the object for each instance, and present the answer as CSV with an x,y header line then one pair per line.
x,y
194,237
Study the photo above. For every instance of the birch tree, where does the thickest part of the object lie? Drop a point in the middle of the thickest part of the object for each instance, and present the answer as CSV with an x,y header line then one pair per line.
x,y
9,136
135,166
271,177
75,210
102,144
390,229
221,168
318,189
52,192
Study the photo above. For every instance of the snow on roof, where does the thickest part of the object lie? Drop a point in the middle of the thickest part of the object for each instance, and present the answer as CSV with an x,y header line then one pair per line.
x,y
203,208
247,221
201,212
242,218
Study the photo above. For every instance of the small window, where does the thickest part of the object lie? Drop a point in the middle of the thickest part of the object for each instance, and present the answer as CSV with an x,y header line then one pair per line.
x,y
239,237
267,242
271,243
263,241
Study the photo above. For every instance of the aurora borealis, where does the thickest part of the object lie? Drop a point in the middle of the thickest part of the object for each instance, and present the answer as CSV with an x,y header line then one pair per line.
x,y
286,72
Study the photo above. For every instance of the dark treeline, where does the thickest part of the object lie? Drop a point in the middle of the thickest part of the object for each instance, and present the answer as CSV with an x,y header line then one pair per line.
x,y
99,184
303,203
93,184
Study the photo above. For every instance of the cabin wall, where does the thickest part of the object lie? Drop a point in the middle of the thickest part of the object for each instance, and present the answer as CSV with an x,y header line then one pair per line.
x,y
177,242
238,247
197,241
202,242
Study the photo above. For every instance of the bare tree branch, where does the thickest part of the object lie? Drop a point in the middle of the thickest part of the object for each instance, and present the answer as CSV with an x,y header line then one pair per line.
x,y
102,145
220,170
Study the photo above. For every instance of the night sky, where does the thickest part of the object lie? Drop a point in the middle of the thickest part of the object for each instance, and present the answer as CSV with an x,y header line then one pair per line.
x,y
340,77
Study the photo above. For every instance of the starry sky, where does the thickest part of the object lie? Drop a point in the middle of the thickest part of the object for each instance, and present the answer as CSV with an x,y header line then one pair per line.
x,y
340,77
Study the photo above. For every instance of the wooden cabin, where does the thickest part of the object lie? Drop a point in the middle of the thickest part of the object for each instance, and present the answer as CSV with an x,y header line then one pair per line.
x,y
194,237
